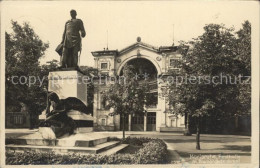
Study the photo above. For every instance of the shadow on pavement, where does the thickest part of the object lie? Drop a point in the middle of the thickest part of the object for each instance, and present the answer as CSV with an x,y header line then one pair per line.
x,y
244,148
202,140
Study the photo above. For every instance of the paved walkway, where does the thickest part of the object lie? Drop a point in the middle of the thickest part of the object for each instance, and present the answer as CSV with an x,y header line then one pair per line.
x,y
226,148
182,148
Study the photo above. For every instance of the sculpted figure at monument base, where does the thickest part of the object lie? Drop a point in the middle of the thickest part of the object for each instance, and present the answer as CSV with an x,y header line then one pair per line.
x,y
57,119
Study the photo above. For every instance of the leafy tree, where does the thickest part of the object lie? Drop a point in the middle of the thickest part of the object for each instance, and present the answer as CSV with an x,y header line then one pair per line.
x,y
211,55
127,96
52,65
244,55
23,50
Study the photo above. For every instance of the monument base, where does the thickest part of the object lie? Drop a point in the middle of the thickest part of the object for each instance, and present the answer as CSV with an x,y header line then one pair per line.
x,y
47,133
83,121
68,83
91,143
84,124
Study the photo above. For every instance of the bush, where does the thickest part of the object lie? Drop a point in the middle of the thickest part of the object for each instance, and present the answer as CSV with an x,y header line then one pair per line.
x,y
137,141
153,151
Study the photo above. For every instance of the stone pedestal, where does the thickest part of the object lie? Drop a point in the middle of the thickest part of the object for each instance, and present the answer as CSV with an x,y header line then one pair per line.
x,y
68,84
84,122
71,83
47,133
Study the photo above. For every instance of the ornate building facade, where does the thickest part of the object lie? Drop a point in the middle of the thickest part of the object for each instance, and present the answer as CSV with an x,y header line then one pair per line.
x,y
158,61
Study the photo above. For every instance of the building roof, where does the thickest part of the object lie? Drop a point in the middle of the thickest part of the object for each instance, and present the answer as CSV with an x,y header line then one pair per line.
x,y
168,48
139,44
105,53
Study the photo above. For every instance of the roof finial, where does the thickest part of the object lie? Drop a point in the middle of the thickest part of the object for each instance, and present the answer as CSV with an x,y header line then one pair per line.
x,y
138,39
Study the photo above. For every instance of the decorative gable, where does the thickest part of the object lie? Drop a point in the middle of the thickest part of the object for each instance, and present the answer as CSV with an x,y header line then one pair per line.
x,y
141,45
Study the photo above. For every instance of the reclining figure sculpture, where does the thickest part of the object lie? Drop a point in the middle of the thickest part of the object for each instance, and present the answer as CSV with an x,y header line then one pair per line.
x,y
57,119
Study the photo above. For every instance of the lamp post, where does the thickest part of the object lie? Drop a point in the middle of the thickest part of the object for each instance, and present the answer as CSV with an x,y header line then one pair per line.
x,y
187,127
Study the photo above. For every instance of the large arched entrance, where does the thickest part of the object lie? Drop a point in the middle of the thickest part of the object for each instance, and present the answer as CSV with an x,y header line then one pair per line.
x,y
142,67
134,58
145,70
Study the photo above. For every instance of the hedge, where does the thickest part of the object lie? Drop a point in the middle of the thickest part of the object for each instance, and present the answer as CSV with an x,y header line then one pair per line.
x,y
138,141
153,151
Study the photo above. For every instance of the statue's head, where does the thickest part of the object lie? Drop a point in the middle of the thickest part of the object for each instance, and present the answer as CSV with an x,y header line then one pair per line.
x,y
53,97
73,13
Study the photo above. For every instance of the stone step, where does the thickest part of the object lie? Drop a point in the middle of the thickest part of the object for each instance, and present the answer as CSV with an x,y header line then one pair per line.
x,y
77,140
172,129
62,150
114,150
81,143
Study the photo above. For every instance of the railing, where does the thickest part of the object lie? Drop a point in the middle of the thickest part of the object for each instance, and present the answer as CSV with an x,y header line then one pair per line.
x,y
17,119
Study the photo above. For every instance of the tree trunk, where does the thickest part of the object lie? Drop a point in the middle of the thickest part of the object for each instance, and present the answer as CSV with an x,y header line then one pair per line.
x,y
123,127
198,135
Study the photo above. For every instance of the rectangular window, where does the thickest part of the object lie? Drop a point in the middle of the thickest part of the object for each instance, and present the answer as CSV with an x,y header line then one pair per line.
x,y
138,119
104,66
175,63
151,118
104,102
103,121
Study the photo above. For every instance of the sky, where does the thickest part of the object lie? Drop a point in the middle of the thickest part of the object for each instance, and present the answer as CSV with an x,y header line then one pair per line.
x,y
119,23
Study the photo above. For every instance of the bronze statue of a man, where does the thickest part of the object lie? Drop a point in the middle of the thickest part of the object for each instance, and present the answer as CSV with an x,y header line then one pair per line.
x,y
71,40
